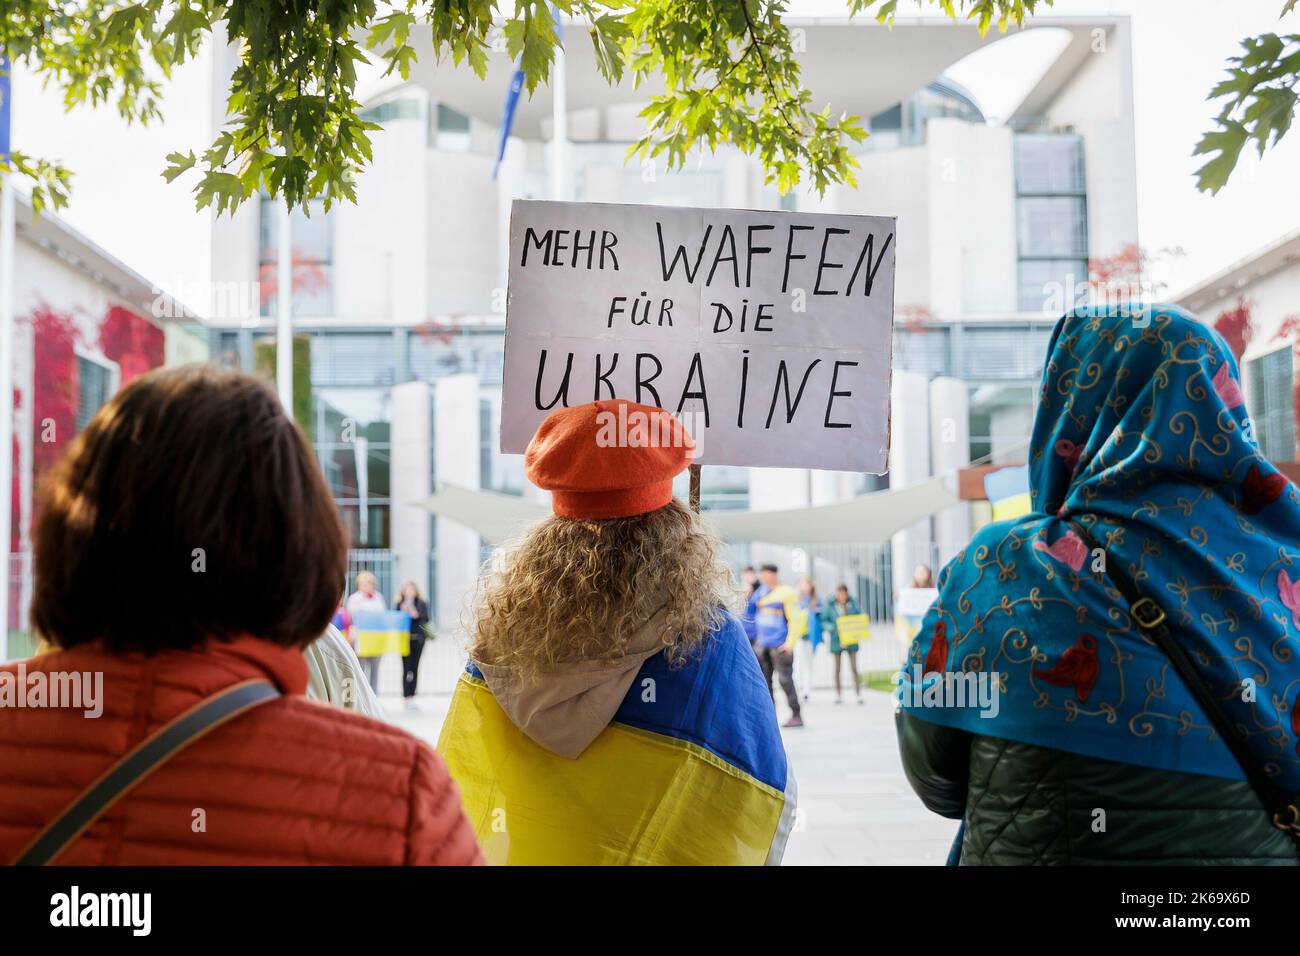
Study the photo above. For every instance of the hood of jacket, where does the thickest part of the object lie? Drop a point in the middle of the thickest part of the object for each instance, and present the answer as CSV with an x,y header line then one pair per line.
x,y
565,708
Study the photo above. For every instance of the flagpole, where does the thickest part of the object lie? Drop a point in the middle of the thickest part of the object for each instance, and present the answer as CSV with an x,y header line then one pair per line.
x,y
283,309
7,239
560,178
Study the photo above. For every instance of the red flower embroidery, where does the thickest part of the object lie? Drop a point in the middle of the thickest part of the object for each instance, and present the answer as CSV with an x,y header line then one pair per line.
x,y
1077,667
936,661
1260,490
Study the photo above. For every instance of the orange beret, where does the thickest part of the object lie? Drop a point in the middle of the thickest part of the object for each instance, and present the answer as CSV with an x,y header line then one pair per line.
x,y
608,459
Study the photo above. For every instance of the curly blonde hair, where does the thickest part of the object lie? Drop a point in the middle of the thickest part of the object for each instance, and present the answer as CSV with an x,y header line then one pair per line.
x,y
576,590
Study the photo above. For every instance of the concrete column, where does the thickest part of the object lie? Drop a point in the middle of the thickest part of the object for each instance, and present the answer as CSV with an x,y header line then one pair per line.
x,y
456,457
909,463
410,482
772,489
510,184
949,451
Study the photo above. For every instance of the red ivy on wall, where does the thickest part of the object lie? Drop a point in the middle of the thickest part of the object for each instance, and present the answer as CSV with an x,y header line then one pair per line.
x,y
55,336
128,339
133,342
15,489
1237,327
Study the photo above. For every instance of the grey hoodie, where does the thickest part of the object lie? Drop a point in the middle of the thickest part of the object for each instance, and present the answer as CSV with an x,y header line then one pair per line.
x,y
566,708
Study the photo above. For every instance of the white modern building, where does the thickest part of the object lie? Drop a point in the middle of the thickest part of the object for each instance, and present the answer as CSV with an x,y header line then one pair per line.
x,y
1263,289
399,299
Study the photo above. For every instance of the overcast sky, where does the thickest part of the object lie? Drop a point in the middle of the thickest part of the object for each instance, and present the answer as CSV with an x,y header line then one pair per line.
x,y
121,202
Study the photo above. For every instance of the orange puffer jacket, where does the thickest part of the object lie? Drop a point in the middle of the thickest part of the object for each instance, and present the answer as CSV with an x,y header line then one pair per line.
x,y
291,781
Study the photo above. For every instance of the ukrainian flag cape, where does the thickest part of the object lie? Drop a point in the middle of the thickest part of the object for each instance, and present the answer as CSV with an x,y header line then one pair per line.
x,y
691,770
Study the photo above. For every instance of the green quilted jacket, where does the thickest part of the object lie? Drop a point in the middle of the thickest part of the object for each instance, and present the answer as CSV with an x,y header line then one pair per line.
x,y
1025,804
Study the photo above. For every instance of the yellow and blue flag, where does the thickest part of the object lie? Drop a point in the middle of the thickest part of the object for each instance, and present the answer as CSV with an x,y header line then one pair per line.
x,y
1007,490
382,632
690,771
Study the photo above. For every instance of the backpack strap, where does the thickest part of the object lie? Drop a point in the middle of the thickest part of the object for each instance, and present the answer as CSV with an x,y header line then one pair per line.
x,y
139,762
1283,810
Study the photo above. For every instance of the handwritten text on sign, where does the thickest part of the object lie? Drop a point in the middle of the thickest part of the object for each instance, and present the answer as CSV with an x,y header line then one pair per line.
x,y
771,330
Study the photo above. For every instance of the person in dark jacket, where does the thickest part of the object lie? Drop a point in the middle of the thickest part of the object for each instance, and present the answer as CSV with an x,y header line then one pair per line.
x,y
413,604
1034,706
842,606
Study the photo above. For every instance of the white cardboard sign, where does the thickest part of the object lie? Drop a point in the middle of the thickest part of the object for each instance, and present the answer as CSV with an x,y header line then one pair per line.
x,y
769,333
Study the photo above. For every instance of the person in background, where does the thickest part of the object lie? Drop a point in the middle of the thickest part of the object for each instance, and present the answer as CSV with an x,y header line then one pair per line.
x,y
922,576
840,607
1156,525
183,477
612,711
413,604
749,580
775,606
808,637
365,598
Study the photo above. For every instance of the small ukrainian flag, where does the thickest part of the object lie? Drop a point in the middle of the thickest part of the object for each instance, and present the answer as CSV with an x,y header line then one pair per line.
x,y
382,632
1007,490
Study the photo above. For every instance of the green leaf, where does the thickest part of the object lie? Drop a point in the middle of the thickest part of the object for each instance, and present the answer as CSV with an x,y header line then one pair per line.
x,y
1227,141
178,163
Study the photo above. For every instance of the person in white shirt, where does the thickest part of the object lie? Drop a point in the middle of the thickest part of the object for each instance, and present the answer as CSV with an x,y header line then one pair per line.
x,y
365,598
334,675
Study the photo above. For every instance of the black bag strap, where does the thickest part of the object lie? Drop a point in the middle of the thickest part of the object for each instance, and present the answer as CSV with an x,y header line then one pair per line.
x,y
1284,811
138,763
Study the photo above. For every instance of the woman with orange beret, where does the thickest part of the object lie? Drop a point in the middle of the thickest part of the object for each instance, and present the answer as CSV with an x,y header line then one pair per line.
x,y
612,710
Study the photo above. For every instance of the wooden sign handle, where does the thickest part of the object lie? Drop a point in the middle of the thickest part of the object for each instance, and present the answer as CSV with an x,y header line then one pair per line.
x,y
695,488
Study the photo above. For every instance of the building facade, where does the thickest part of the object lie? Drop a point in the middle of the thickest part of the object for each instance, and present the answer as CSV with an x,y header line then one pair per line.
x,y
1256,304
398,300
84,325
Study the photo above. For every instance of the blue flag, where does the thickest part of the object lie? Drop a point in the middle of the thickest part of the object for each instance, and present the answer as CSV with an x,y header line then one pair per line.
x,y
4,108
508,116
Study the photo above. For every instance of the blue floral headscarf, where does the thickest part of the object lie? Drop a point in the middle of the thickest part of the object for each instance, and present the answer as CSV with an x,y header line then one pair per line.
x,y
1141,436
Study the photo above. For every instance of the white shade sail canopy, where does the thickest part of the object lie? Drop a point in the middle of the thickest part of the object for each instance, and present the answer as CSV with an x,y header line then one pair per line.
x,y
865,519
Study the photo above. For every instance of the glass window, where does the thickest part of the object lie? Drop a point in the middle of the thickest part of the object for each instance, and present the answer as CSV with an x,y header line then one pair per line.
x,y
312,255
367,525
1003,353
1052,226
1049,163
345,414
1046,283
498,472
1271,392
923,349
344,464
453,130
94,388
438,352
353,358
722,488
1001,420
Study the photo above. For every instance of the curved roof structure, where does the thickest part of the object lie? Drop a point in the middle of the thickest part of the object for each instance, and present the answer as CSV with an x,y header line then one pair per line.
x,y
857,66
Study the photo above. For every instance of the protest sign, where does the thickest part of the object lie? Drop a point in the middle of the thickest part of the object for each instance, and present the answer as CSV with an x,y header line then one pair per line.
x,y
768,333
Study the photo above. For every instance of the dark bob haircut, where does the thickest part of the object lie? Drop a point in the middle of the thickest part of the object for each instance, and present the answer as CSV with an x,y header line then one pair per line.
x,y
190,508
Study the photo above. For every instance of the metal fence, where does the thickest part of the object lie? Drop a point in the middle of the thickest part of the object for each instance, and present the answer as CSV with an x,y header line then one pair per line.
x,y
379,562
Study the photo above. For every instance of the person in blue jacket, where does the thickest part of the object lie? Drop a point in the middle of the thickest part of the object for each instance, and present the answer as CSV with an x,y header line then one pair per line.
x,y
776,606
749,578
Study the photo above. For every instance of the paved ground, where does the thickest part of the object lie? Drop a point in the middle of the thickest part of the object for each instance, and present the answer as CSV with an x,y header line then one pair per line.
x,y
855,805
